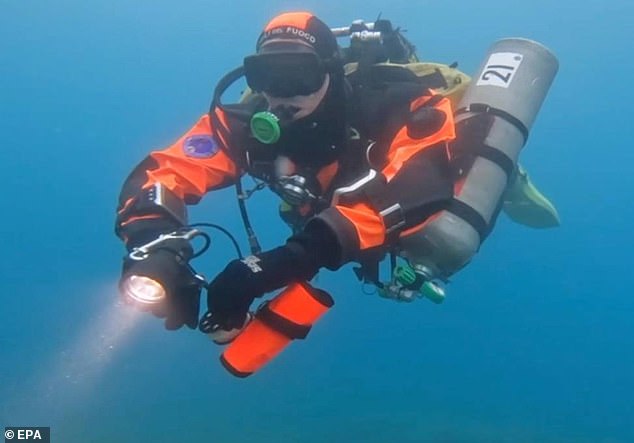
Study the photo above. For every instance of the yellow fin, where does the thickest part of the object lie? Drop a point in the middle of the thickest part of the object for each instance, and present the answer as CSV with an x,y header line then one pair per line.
x,y
525,205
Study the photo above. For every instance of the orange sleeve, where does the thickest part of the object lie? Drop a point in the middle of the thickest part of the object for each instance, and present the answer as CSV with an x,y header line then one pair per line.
x,y
193,165
190,167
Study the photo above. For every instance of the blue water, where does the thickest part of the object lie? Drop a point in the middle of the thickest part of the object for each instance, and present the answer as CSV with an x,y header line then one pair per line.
x,y
534,344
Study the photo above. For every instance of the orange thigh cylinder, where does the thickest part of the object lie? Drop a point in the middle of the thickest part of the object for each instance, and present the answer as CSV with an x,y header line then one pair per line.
x,y
288,316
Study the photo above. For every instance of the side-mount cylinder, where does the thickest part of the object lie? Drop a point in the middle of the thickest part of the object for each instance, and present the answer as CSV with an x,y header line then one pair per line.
x,y
493,121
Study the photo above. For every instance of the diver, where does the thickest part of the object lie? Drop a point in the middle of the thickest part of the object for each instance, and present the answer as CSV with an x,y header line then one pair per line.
x,y
363,159
356,162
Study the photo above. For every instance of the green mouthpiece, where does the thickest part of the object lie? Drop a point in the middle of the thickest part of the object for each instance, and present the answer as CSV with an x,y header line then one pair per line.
x,y
265,127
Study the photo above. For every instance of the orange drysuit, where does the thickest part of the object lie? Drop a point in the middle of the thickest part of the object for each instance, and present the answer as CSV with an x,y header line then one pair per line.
x,y
390,176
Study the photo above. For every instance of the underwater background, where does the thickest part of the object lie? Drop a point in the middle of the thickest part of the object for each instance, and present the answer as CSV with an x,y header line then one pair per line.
x,y
535,342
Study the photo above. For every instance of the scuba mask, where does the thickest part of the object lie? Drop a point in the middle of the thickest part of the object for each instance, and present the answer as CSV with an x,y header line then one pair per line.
x,y
285,74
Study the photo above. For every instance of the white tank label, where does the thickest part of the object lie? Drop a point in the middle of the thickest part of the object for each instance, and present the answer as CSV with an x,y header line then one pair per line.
x,y
500,69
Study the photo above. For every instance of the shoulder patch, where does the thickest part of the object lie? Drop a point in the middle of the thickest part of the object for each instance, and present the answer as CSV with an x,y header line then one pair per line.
x,y
200,146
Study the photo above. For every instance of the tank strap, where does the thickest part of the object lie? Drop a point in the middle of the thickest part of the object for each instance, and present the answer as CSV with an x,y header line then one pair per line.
x,y
471,216
476,128
486,109
498,157
281,324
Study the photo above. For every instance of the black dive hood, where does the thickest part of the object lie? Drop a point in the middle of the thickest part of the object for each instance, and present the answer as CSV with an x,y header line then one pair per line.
x,y
313,141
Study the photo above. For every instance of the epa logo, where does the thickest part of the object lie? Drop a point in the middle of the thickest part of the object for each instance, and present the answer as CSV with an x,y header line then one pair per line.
x,y
14,434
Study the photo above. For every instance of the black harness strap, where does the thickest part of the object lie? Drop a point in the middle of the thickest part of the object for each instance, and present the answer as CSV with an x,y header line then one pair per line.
x,y
434,80
368,271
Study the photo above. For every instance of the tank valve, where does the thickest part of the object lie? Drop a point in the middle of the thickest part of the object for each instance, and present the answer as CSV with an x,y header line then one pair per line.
x,y
409,283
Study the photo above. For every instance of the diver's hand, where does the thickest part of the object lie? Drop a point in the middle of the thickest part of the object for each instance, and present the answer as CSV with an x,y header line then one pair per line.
x,y
167,265
231,293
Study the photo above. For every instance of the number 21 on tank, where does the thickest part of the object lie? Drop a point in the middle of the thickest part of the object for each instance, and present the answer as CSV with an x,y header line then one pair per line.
x,y
500,69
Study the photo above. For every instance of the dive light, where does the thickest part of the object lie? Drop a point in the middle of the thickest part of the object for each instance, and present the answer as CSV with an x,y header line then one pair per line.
x,y
147,285
142,289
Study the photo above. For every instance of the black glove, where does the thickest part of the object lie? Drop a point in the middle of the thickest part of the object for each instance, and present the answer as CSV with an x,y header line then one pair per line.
x,y
168,265
233,290
231,293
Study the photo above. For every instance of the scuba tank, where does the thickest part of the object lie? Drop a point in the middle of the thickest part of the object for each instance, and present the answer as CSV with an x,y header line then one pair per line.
x,y
493,121
494,114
